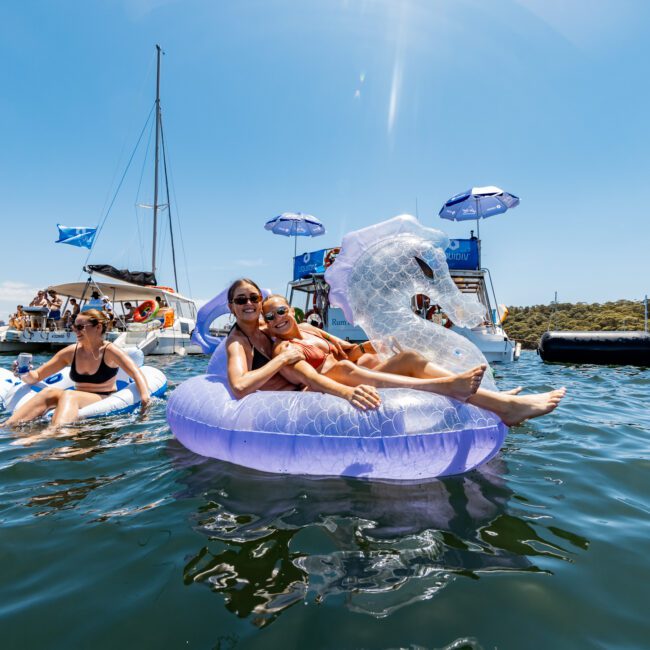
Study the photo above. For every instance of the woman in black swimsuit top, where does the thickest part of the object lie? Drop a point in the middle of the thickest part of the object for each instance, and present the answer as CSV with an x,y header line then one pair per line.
x,y
250,366
103,373
259,358
91,385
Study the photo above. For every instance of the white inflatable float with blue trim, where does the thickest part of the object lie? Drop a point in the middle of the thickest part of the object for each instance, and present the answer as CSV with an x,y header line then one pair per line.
x,y
413,435
14,392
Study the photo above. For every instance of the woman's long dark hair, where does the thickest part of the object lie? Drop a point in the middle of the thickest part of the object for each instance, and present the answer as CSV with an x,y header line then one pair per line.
x,y
231,293
236,283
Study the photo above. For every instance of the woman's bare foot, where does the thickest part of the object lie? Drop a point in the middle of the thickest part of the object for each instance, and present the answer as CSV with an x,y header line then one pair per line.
x,y
461,386
524,407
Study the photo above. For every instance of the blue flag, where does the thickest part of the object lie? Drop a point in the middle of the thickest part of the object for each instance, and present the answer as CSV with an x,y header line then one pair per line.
x,y
76,236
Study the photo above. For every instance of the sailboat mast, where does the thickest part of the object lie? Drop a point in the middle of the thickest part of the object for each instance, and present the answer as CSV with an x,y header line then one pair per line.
x,y
155,178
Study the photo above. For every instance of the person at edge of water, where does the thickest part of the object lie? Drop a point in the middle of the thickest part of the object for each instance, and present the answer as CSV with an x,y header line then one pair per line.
x,y
253,364
351,364
93,367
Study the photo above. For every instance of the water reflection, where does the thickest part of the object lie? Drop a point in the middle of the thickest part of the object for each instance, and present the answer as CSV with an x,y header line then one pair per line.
x,y
274,541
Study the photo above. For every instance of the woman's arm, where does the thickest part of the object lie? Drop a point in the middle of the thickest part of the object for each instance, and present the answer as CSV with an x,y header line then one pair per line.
x,y
362,397
58,362
346,349
244,381
127,364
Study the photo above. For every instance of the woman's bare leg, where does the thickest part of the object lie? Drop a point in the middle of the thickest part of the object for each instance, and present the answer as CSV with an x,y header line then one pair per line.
x,y
69,404
460,387
36,407
509,406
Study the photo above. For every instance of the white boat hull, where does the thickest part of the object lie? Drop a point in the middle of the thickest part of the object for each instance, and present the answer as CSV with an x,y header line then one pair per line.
x,y
493,342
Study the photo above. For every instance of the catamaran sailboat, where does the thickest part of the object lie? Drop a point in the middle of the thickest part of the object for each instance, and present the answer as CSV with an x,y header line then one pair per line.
x,y
168,335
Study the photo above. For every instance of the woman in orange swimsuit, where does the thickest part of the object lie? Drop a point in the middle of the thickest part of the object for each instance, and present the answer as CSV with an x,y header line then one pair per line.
x,y
353,364
329,358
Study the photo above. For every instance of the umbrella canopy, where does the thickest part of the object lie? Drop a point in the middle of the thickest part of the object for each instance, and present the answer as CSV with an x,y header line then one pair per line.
x,y
478,203
295,224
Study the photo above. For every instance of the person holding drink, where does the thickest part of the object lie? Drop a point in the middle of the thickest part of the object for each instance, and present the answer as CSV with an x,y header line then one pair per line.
x,y
93,363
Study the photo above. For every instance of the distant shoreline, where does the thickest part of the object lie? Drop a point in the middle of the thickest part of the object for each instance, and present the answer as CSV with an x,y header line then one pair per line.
x,y
527,324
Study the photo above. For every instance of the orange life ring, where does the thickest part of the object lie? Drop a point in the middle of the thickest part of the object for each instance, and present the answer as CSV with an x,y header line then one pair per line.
x,y
168,289
145,311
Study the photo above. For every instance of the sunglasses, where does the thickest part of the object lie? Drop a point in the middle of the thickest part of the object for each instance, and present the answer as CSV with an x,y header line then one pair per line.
x,y
280,311
254,298
82,327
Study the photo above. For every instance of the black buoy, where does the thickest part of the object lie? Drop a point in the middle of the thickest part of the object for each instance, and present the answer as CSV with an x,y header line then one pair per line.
x,y
616,348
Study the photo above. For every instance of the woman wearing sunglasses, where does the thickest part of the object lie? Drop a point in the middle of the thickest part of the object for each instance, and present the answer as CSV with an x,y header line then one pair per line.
x,y
253,366
93,367
339,361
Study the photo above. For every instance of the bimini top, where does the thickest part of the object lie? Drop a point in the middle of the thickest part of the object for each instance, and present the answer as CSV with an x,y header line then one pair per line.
x,y
116,291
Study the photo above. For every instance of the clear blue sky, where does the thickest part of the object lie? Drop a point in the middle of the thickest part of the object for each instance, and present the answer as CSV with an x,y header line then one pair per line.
x,y
348,110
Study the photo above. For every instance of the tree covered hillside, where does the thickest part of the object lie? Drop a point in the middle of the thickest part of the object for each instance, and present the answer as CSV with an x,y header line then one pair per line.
x,y
527,324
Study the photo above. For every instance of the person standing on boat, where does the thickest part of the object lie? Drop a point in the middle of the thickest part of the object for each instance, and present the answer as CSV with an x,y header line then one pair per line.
x,y
54,303
75,308
39,300
93,367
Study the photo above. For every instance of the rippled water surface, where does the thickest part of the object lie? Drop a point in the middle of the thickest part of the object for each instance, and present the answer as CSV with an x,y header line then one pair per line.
x,y
116,535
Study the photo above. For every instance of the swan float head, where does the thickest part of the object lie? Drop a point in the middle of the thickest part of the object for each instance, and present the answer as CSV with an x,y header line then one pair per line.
x,y
380,268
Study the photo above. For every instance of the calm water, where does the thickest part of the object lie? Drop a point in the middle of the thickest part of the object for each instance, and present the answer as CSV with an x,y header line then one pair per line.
x,y
118,536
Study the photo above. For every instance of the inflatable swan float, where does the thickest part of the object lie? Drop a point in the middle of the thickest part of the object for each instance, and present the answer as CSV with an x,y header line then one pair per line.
x,y
413,435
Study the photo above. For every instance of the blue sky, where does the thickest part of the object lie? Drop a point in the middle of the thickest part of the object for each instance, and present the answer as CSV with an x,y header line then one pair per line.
x,y
351,111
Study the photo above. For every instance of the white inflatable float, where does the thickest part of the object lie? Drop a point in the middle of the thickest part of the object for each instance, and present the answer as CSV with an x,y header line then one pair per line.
x,y
15,393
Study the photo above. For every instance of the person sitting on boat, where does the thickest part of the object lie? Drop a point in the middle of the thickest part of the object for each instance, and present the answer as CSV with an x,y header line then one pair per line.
x,y
351,364
17,320
95,302
54,303
107,305
129,310
252,364
93,367
66,320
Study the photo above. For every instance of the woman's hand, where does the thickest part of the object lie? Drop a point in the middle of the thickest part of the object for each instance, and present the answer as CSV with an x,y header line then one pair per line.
x,y
363,397
292,354
29,377
145,403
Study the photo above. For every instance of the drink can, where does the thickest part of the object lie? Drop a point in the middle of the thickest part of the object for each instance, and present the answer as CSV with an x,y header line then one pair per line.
x,y
24,362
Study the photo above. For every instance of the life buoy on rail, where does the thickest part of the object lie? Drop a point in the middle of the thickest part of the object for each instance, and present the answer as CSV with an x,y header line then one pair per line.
x,y
314,318
168,289
145,311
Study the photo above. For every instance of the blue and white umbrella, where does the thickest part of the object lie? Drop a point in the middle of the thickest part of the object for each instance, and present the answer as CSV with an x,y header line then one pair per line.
x,y
295,224
478,203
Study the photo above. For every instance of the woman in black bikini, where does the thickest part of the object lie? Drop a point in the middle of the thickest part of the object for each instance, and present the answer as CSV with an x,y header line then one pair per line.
x,y
93,367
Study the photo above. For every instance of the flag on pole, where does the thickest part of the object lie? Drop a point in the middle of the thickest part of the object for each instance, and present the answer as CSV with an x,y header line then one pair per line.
x,y
76,236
